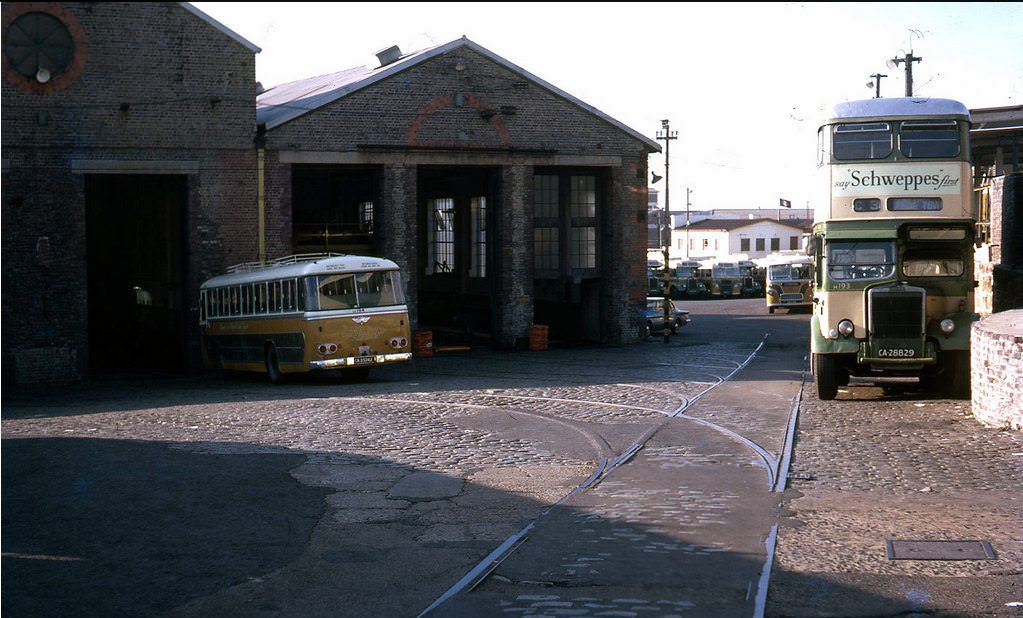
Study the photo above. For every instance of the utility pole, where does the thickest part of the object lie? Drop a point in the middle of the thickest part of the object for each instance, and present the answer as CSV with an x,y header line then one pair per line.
x,y
688,193
667,135
876,83
909,59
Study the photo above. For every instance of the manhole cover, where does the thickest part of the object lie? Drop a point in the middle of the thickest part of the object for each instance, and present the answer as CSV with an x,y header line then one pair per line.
x,y
939,550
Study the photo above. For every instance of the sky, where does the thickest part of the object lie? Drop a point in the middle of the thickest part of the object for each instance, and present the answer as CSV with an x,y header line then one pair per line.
x,y
743,85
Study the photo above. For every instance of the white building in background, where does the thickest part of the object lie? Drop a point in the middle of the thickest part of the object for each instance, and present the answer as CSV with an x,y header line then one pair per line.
x,y
732,240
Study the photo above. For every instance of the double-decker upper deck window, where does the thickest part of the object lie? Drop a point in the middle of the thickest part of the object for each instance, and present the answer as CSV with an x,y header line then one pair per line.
x,y
929,139
862,140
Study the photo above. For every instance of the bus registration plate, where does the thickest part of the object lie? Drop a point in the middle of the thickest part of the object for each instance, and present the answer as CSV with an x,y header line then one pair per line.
x,y
896,353
363,360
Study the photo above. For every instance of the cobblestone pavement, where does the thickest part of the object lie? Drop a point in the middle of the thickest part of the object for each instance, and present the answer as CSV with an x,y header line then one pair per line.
x,y
200,496
870,468
194,497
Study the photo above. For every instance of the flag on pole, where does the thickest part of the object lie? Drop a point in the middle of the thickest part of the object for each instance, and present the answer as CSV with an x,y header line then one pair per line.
x,y
785,203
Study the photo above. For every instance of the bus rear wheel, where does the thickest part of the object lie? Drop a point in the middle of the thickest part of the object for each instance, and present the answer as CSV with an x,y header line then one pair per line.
x,y
825,374
273,368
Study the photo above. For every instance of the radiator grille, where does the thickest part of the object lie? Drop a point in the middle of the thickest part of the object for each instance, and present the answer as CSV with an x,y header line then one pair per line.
x,y
897,314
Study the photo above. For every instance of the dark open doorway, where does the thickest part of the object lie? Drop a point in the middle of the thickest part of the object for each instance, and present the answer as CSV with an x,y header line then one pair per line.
x,y
456,213
135,227
333,208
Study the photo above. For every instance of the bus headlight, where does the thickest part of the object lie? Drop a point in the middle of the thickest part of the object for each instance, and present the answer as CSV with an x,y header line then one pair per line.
x,y
947,326
327,348
398,342
846,328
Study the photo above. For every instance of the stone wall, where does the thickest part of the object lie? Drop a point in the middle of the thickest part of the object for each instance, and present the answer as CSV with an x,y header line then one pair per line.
x,y
997,371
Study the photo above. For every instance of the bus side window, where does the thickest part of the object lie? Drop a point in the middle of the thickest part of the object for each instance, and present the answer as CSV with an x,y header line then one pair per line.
x,y
261,297
301,295
273,289
817,248
287,295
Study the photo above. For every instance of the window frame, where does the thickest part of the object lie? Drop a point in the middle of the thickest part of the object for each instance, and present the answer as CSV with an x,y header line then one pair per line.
x,y
838,147
566,234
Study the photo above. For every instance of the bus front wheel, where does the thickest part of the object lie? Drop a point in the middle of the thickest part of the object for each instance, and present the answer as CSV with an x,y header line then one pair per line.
x,y
273,368
826,375
956,365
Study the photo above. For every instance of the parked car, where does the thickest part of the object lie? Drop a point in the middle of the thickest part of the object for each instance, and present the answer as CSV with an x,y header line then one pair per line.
x,y
655,316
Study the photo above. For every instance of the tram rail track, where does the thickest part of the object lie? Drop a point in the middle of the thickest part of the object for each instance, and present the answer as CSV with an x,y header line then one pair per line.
x,y
609,462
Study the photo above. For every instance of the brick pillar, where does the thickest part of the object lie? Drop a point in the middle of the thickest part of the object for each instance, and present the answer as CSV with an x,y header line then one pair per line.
x,y
513,238
398,228
625,244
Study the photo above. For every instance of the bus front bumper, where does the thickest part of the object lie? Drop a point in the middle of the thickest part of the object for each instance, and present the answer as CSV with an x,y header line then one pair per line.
x,y
350,362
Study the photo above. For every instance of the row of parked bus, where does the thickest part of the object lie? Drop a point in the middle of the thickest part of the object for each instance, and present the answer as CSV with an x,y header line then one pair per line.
x,y
708,280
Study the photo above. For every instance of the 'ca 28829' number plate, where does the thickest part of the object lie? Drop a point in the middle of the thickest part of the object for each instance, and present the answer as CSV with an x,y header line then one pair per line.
x,y
896,352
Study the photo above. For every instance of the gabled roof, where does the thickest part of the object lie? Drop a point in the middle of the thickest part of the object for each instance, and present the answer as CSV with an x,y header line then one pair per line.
x,y
219,26
733,224
286,102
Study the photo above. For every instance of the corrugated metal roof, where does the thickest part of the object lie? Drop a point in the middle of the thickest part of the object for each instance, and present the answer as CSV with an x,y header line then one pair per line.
x,y
281,104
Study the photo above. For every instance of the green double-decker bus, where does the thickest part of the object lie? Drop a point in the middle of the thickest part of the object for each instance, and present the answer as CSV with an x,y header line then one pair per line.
x,y
893,247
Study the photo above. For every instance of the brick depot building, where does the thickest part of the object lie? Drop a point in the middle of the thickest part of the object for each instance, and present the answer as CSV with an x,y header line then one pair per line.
x,y
137,162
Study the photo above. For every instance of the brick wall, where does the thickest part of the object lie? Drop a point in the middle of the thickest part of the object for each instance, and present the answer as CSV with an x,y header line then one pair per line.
x,y
463,108
155,89
997,370
999,262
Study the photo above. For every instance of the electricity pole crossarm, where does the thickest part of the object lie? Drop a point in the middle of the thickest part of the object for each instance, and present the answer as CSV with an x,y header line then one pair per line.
x,y
908,59
876,83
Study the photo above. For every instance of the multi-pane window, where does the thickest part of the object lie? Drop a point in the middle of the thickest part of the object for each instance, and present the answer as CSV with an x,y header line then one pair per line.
x,y
478,223
546,223
760,244
545,198
582,205
582,198
366,217
545,248
564,221
583,247
793,243
440,244
775,244
744,244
